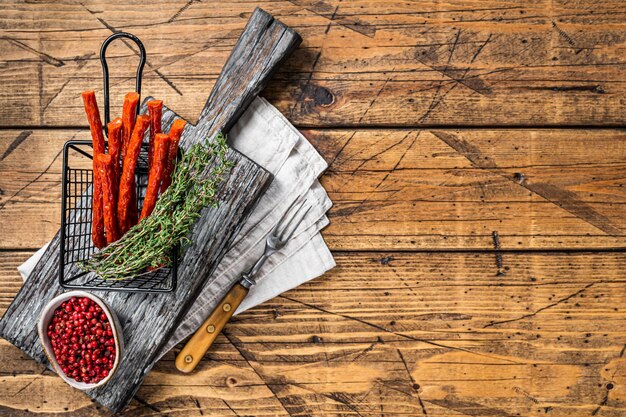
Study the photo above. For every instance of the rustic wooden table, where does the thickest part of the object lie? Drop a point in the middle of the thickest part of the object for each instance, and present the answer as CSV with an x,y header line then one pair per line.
x,y
477,166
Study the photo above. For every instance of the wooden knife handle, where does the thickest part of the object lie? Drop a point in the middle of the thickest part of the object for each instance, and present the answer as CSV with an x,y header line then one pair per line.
x,y
193,352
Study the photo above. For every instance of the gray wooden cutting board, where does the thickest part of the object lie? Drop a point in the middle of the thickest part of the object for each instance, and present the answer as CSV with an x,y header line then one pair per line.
x,y
149,320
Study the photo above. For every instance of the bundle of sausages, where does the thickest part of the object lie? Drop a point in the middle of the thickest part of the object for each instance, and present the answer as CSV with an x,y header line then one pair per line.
x,y
114,204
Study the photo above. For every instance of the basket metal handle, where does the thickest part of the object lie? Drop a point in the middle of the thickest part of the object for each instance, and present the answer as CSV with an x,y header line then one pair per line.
x,y
105,70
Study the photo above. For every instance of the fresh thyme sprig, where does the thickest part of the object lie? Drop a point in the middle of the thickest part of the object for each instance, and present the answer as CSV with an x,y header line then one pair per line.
x,y
150,243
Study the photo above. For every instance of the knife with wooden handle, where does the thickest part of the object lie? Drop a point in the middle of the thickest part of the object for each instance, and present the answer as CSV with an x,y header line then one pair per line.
x,y
201,341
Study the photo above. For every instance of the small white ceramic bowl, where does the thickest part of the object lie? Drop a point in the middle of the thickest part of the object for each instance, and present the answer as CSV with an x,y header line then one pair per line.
x,y
42,327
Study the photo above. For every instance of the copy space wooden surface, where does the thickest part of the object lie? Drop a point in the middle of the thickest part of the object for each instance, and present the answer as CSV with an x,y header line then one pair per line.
x,y
443,122
427,189
393,334
478,62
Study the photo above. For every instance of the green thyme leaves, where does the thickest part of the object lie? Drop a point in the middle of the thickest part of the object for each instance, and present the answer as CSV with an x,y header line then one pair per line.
x,y
150,243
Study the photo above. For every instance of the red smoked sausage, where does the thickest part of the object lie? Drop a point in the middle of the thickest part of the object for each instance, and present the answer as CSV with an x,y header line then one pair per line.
x,y
175,131
105,165
97,213
155,109
115,148
95,123
161,149
126,203
129,110
97,138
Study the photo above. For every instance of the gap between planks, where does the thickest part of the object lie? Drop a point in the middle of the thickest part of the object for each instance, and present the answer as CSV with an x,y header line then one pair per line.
x,y
383,126
440,251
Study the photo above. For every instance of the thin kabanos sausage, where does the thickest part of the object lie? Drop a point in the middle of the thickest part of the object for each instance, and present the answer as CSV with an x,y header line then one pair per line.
x,y
129,110
175,131
126,203
155,109
97,213
97,138
161,149
106,172
114,127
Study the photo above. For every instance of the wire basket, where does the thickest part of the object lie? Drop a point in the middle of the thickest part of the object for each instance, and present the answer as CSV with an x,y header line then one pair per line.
x,y
76,215
76,195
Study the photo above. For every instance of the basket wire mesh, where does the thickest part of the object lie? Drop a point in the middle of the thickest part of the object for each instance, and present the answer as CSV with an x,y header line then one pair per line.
x,y
76,216
76,243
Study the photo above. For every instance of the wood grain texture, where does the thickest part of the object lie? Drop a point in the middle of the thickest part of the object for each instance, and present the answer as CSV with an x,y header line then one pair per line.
x,y
382,62
403,189
525,331
394,334
148,319
199,343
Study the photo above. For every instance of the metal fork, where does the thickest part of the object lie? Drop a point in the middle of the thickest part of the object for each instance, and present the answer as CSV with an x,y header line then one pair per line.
x,y
277,239
191,354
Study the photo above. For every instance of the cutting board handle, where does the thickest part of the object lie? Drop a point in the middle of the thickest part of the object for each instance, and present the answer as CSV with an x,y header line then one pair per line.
x,y
263,45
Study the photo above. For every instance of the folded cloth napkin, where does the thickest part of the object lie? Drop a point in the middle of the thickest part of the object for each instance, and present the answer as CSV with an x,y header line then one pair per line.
x,y
264,135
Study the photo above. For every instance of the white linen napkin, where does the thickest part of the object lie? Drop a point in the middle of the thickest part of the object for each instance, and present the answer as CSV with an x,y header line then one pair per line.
x,y
264,135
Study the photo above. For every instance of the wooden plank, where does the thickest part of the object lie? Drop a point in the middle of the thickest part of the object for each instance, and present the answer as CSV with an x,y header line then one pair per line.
x,y
461,63
10,281
396,334
148,320
402,189
433,189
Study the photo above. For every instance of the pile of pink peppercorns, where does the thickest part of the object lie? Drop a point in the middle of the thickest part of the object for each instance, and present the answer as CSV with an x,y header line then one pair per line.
x,y
82,340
